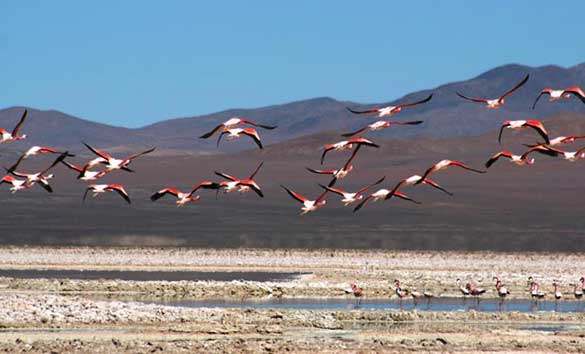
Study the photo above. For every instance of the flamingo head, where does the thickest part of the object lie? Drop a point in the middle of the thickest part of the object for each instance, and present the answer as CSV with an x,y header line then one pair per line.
x,y
582,280
353,286
23,136
397,283
566,95
322,202
496,279
396,110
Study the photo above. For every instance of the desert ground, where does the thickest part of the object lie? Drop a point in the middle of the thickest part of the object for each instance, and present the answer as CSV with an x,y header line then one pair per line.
x,y
108,315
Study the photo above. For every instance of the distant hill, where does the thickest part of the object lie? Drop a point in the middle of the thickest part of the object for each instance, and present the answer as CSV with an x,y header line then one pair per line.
x,y
445,116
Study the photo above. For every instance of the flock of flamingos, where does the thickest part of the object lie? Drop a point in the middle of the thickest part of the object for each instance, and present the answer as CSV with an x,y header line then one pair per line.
x,y
233,129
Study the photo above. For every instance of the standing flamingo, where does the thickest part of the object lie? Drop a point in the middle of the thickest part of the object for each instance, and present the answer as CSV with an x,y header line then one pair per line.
x,y
496,102
462,289
500,288
577,291
390,110
401,293
557,292
6,137
535,293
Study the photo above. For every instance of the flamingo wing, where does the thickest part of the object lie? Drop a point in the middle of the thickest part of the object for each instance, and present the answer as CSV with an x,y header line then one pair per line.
x,y
254,135
161,193
506,124
72,166
347,135
369,111
512,90
496,156
405,197
20,123
213,131
539,127
295,195
333,190
325,151
220,136
45,185
132,157
254,187
368,186
434,184
121,191
482,100
362,203
576,91
414,122
543,92
226,176
104,155
416,103
269,127
462,165
205,185
256,170
320,172
353,155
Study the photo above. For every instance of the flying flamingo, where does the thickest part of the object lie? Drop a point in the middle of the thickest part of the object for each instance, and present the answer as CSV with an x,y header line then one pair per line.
x,y
412,180
349,198
17,184
561,94
390,110
84,173
242,185
38,150
347,145
340,173
521,159
182,198
379,125
234,133
518,124
570,156
40,177
6,137
308,205
443,164
500,288
557,293
496,102
103,188
232,122
383,194
113,163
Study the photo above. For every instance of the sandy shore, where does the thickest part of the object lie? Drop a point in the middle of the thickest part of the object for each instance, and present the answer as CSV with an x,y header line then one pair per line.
x,y
63,316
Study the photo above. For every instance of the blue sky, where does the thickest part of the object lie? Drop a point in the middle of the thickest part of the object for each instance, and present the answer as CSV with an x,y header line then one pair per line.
x,y
132,63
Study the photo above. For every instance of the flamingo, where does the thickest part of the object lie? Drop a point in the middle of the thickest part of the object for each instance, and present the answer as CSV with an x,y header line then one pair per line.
x,y
113,163
84,173
355,290
232,122
412,180
17,184
521,159
443,164
582,280
398,290
555,95
308,205
379,125
234,133
557,293
349,198
40,177
38,150
182,198
417,295
6,137
570,156
474,290
347,145
496,102
535,293
463,289
518,124
382,194
390,110
340,173
242,185
103,188
500,288
577,292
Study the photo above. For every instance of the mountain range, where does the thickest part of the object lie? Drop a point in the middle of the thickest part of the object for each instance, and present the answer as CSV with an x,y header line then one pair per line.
x,y
446,115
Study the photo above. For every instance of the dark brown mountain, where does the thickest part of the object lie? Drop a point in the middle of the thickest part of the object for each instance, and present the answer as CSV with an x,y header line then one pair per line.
x,y
445,116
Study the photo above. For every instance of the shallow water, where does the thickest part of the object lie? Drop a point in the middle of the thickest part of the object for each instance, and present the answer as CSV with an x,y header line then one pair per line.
x,y
145,275
435,304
